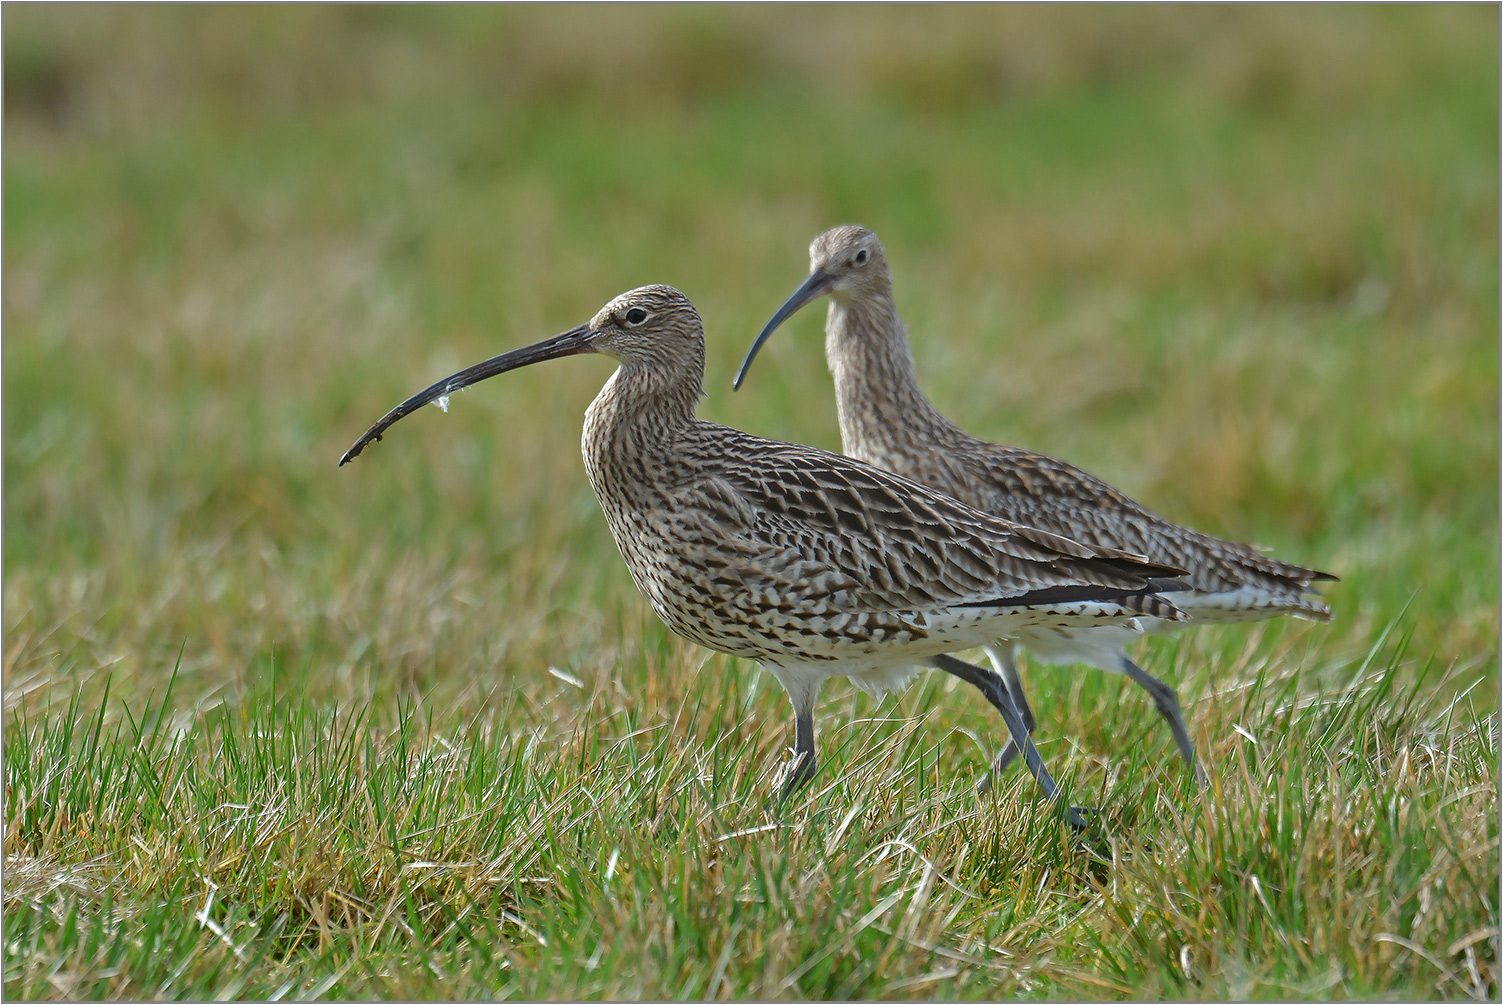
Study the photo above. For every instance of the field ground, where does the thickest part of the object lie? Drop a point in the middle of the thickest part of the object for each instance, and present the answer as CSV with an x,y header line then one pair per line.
x,y
405,729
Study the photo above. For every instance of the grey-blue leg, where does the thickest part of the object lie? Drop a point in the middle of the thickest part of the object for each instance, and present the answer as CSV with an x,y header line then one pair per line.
x,y
991,686
1162,694
1004,656
801,692
1167,702
804,759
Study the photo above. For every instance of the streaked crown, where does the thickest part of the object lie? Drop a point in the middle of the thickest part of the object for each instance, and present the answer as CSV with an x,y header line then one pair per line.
x,y
649,325
852,258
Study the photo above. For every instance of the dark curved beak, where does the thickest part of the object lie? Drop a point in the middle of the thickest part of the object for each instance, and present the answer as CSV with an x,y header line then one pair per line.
x,y
570,343
817,285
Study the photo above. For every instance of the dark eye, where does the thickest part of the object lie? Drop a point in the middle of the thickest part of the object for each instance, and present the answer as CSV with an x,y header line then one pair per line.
x,y
635,316
861,257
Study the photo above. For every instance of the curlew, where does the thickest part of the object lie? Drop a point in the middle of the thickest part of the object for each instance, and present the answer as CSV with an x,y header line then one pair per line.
x,y
887,421
813,564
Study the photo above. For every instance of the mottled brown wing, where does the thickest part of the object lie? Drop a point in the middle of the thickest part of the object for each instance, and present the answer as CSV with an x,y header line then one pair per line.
x,y
1024,486
811,521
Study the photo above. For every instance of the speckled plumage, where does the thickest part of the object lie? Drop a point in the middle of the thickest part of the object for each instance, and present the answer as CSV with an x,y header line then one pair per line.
x,y
810,562
886,420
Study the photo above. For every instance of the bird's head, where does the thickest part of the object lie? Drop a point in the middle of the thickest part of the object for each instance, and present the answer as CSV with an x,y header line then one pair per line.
x,y
850,263
846,263
653,328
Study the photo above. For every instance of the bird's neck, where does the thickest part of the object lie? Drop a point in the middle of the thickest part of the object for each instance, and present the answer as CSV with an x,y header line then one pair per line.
x,y
631,426
884,417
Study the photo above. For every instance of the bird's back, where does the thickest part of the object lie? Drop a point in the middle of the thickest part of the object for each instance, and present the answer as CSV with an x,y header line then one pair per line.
x,y
1037,490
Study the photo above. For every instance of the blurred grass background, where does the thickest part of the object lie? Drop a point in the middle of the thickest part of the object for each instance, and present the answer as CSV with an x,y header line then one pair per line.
x,y
1241,262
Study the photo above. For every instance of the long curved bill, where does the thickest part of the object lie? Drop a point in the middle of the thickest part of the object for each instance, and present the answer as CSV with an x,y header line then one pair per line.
x,y
817,285
570,343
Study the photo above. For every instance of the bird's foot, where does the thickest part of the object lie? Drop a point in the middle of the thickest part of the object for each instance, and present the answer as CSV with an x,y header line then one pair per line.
x,y
1080,816
800,772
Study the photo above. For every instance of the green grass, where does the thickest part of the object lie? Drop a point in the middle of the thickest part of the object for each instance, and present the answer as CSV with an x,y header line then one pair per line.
x,y
406,729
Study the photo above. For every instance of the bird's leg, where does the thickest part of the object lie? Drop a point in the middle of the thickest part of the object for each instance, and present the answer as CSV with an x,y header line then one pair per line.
x,y
997,694
1004,656
804,760
1165,700
801,691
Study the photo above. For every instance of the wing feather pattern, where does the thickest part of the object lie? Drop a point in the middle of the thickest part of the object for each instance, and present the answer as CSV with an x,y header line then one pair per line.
x,y
799,520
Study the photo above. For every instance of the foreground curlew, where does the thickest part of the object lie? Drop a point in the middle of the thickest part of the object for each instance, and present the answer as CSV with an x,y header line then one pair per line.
x,y
886,420
813,564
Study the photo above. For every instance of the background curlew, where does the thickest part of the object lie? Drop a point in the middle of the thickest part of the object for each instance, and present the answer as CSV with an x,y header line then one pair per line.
x,y
811,563
885,419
